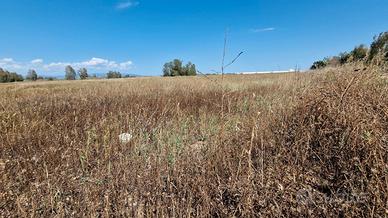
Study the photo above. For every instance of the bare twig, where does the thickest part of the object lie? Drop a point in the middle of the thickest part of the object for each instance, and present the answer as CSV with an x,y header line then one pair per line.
x,y
207,77
346,89
234,60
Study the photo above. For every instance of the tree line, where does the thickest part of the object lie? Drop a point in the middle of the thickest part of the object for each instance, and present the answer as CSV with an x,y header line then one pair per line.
x,y
170,69
6,76
71,74
376,53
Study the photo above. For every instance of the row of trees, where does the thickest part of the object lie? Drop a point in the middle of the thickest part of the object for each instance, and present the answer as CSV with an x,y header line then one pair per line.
x,y
173,68
70,74
6,76
377,53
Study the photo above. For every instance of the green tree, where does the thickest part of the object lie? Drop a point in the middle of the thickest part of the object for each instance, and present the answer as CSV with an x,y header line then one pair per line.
x,y
191,69
167,69
14,77
70,73
32,75
113,75
83,73
176,68
3,76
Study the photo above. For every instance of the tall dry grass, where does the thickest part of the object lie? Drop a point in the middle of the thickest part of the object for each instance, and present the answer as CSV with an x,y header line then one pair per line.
x,y
286,145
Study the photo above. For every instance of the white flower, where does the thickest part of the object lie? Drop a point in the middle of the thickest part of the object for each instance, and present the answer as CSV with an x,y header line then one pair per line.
x,y
125,137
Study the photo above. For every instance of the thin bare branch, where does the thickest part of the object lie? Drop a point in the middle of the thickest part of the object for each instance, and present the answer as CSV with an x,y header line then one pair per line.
x,y
234,60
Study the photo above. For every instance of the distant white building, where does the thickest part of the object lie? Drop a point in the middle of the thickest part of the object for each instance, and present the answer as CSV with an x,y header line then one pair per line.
x,y
257,72
264,72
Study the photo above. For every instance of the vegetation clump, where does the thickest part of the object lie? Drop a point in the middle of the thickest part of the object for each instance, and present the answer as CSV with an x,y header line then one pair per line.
x,y
176,68
376,54
113,75
83,73
70,73
6,76
32,75
379,47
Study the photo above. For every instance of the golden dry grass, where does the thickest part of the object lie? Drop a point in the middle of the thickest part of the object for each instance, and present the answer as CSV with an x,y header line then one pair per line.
x,y
284,145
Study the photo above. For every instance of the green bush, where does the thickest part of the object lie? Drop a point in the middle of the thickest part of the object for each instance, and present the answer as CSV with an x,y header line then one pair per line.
x,y
318,65
344,57
49,78
359,53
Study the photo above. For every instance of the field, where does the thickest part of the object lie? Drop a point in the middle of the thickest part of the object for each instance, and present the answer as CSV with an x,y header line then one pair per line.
x,y
312,144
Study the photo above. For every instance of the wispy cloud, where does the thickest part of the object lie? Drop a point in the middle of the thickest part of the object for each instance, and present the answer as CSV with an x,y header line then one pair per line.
x,y
126,4
260,30
10,63
37,61
95,64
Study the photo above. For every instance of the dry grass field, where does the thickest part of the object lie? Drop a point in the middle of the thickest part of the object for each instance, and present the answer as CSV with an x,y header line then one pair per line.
x,y
276,145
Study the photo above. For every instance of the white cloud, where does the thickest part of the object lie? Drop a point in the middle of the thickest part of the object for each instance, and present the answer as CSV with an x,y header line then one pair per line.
x,y
9,63
263,30
55,66
126,4
37,61
7,60
125,65
94,64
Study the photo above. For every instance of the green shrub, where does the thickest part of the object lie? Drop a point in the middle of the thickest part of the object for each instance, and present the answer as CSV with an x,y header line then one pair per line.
x,y
49,78
359,53
318,65
344,57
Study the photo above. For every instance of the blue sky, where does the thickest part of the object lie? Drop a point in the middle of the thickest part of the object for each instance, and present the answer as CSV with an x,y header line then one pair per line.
x,y
139,36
